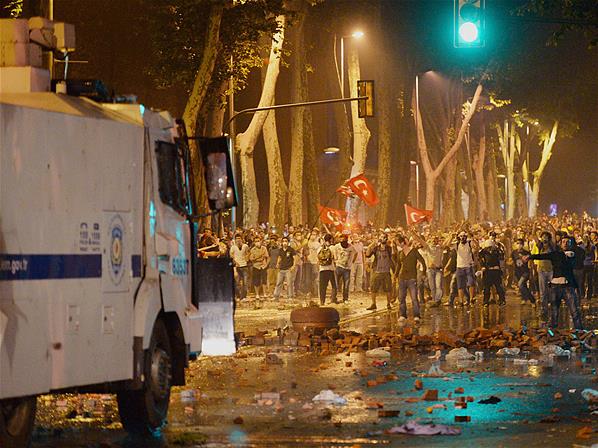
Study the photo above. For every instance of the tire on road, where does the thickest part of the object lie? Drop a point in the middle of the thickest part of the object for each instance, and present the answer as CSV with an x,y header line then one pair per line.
x,y
17,417
143,412
314,318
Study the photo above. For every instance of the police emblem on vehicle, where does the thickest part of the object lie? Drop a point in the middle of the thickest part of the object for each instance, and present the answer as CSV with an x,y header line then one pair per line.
x,y
116,249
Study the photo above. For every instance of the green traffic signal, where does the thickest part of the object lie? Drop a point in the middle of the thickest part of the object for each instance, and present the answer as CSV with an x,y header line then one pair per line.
x,y
469,23
468,32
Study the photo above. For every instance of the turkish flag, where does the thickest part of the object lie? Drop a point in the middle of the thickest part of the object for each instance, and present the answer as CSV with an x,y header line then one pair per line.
x,y
416,215
333,216
362,188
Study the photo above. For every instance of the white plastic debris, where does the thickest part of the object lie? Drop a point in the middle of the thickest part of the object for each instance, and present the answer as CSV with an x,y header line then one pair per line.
x,y
188,396
590,395
417,429
378,353
508,351
329,397
459,354
552,349
529,362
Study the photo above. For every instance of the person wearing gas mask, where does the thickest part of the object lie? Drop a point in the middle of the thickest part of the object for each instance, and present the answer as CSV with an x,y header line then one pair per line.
x,y
383,261
563,286
490,259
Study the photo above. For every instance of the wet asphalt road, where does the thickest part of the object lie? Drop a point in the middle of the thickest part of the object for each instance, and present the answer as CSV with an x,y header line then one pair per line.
x,y
220,406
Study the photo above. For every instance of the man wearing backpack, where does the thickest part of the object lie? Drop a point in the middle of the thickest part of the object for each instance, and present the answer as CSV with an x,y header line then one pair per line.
x,y
326,262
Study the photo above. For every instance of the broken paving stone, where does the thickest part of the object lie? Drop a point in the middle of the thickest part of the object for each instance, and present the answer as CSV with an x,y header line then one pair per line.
x,y
374,405
550,419
430,395
384,413
238,420
584,432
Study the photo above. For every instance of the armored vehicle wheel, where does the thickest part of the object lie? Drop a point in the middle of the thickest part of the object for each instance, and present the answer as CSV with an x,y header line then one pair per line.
x,y
17,416
143,412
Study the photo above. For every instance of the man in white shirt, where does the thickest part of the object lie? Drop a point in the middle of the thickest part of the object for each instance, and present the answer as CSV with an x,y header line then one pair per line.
x,y
239,252
465,268
310,267
433,253
357,270
344,256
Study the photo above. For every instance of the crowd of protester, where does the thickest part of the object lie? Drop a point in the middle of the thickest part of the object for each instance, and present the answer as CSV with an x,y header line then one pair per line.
x,y
546,260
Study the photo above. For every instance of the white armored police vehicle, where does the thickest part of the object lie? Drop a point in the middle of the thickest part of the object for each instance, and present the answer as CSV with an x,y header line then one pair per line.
x,y
100,287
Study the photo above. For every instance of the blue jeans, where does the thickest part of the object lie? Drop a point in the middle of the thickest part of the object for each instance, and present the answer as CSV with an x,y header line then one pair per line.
x,y
435,283
522,283
343,278
284,274
411,285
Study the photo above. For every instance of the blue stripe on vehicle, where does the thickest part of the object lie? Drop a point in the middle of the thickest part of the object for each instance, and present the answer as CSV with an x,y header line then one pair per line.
x,y
136,265
49,266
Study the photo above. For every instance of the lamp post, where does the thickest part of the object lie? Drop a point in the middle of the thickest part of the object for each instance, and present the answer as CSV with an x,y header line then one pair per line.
x,y
506,192
416,165
354,35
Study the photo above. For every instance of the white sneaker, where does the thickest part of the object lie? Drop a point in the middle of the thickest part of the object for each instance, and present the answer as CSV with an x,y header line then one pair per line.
x,y
416,319
402,319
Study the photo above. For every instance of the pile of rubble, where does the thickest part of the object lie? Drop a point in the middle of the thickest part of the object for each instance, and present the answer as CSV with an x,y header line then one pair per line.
x,y
407,339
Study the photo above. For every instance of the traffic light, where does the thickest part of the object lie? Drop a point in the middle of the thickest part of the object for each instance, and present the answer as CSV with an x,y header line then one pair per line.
x,y
469,23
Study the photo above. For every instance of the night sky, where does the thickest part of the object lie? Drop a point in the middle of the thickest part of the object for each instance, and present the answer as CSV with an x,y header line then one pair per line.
x,y
403,36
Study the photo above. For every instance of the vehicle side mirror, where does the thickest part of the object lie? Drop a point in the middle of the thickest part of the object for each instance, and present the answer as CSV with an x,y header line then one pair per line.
x,y
220,183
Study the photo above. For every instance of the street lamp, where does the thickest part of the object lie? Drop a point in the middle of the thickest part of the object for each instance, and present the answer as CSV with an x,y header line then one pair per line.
x,y
355,35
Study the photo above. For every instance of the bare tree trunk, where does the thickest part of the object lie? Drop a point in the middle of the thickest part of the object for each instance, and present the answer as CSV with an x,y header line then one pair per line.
x,y
384,154
478,163
361,133
312,182
493,194
432,173
197,97
277,211
298,94
245,141
450,197
547,148
510,143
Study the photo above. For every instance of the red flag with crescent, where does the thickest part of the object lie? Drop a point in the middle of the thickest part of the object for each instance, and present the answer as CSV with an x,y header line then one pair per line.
x,y
333,216
364,189
416,215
